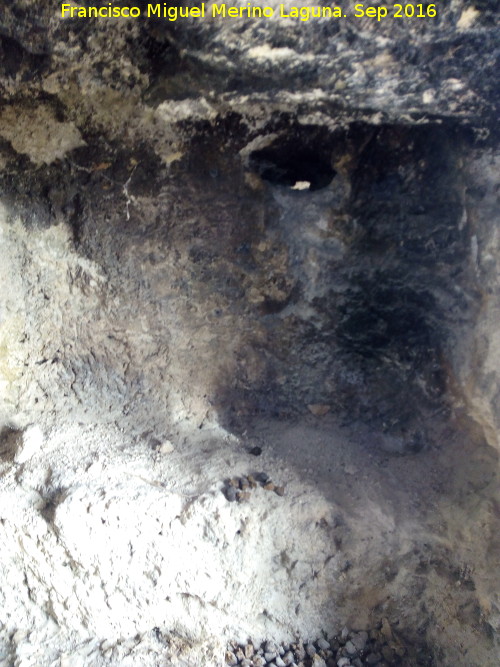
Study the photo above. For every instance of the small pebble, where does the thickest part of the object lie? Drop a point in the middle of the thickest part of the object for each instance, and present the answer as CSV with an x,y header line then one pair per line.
x,y
231,659
323,644
262,477
259,661
269,655
256,451
388,653
269,486
357,662
280,490
244,484
343,662
345,633
230,493
288,658
242,495
359,640
373,658
318,661
246,662
350,648
166,447
300,652
270,647
310,650
240,655
252,481
234,482
386,630
279,662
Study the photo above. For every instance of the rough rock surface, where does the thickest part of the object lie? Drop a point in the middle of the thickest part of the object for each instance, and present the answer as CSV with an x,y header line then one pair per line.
x,y
226,236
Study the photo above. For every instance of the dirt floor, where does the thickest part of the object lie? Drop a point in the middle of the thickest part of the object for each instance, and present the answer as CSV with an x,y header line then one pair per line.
x,y
133,547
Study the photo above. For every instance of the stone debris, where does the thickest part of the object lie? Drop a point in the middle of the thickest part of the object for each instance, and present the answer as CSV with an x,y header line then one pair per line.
x,y
239,488
359,640
252,481
230,493
310,650
343,662
379,647
350,648
166,447
249,650
318,409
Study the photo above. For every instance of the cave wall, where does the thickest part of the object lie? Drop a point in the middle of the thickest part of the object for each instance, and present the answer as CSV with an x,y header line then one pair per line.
x,y
355,295
151,142
210,225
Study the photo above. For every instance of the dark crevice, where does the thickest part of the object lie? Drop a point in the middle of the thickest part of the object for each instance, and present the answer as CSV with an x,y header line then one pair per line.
x,y
294,159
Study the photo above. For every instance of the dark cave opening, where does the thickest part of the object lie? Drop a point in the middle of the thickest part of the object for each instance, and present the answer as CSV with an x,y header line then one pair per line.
x,y
294,160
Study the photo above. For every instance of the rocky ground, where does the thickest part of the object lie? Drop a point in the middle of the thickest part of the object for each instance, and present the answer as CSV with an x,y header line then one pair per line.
x,y
377,647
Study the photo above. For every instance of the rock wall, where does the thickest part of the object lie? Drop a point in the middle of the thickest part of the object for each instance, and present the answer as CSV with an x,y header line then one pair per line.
x,y
243,231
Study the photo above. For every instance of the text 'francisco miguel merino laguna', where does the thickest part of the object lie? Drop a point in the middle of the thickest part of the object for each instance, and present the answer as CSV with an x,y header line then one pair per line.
x,y
216,10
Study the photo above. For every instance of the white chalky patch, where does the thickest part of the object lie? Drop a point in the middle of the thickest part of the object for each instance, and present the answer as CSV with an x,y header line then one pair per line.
x,y
38,134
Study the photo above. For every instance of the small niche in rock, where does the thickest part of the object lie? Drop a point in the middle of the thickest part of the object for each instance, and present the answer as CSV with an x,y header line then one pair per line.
x,y
10,442
297,162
